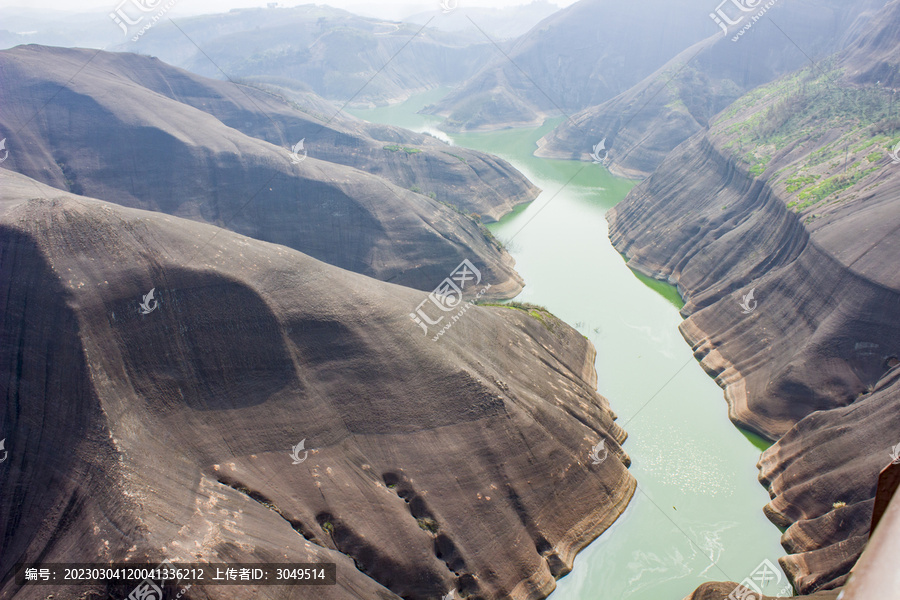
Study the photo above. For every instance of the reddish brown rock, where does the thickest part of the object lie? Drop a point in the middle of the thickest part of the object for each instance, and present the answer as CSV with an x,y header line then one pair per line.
x,y
780,227
462,463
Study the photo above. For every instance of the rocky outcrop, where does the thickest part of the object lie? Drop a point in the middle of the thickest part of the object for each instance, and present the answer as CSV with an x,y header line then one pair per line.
x,y
457,464
721,590
780,227
134,131
642,125
823,487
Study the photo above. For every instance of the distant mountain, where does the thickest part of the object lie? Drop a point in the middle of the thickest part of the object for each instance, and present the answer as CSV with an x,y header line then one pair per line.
x,y
780,225
499,23
24,25
642,125
580,56
134,131
176,433
338,55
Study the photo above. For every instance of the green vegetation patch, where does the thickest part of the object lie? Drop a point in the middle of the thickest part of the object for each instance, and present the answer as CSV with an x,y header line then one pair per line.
x,y
795,184
396,148
536,311
456,156
831,186
428,524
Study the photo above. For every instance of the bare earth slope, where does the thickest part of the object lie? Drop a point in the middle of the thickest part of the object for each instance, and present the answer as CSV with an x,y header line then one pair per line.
x,y
107,132
462,463
793,195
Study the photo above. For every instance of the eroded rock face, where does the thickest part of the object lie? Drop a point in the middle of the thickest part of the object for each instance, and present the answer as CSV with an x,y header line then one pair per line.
x,y
782,237
823,487
136,132
462,463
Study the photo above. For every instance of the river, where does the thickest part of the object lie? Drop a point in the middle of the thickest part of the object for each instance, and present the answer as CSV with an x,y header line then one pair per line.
x,y
697,515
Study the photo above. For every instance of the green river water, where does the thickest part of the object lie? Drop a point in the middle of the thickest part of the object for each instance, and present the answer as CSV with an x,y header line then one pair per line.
x,y
697,515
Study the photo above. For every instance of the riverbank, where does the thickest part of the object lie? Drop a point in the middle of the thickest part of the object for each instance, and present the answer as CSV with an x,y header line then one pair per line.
x,y
697,515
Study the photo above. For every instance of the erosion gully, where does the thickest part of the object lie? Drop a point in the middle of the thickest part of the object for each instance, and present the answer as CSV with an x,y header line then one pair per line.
x,y
697,515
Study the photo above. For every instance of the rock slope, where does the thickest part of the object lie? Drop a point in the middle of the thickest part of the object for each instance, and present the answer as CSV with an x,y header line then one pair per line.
x,y
580,56
780,227
457,464
642,125
134,131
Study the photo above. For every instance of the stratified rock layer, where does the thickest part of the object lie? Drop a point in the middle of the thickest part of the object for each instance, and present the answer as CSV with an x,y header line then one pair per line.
x,y
462,463
781,227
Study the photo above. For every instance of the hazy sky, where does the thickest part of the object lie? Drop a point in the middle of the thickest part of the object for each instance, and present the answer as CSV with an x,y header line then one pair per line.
x,y
389,9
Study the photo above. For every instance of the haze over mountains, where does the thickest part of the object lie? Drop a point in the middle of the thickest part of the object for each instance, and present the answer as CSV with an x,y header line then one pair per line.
x,y
163,139
286,275
646,122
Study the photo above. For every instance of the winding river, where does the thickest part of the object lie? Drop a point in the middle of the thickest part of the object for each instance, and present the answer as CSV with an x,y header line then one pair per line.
x,y
697,515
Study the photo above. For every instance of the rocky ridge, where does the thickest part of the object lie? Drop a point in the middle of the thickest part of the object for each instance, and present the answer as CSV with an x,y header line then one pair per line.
x,y
134,131
780,227
458,464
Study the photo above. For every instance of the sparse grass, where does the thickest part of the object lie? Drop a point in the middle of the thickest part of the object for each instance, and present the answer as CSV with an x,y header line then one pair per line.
x,y
328,527
536,311
456,156
831,186
428,524
837,505
396,148
796,184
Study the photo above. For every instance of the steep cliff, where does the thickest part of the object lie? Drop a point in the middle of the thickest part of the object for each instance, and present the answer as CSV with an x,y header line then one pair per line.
x,y
457,464
780,227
